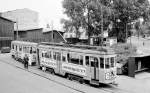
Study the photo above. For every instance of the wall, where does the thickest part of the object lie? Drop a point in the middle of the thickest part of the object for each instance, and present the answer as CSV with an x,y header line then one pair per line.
x,y
57,38
24,18
6,32
35,35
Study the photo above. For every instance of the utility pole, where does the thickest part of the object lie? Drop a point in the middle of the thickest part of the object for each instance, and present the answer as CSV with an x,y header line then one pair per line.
x,y
88,23
102,24
52,31
126,33
17,29
102,32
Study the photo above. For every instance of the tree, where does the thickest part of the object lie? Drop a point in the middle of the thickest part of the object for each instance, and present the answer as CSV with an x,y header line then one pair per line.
x,y
96,15
88,14
127,11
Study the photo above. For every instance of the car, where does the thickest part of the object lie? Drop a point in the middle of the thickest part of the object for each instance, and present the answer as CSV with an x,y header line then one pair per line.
x,y
5,50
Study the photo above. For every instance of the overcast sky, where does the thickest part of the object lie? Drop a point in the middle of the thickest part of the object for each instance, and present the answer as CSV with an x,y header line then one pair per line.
x,y
50,11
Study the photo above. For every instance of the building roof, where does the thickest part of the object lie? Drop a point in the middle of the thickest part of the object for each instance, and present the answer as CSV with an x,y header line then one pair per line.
x,y
52,30
31,29
45,30
7,19
22,9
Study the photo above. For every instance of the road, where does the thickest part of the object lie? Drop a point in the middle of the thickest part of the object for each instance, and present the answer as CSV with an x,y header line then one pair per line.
x,y
15,79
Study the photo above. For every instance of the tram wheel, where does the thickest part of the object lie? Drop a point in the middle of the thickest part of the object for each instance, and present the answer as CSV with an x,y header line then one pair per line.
x,y
52,71
69,77
81,81
44,68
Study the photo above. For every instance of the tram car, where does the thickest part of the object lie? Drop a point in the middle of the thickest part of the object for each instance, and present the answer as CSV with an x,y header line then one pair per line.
x,y
20,48
94,65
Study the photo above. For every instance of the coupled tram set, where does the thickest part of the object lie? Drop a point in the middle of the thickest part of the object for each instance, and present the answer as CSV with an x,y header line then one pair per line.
x,y
90,64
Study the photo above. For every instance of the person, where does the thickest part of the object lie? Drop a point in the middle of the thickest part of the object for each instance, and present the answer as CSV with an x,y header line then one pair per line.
x,y
26,59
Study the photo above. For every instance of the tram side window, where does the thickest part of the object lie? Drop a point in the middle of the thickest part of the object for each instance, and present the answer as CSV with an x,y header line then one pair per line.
x,y
107,63
33,50
81,60
94,62
74,59
30,50
54,55
68,57
25,49
112,62
16,47
58,56
20,48
101,62
50,56
12,46
87,60
63,58
46,55
43,54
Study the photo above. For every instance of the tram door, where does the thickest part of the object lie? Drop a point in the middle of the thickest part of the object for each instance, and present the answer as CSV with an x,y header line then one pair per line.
x,y
94,68
58,59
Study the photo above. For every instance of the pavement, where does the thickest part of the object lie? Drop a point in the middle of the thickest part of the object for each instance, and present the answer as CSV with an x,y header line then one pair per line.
x,y
139,84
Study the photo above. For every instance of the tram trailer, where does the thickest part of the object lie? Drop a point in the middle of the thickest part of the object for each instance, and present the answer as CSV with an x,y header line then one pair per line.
x,y
20,48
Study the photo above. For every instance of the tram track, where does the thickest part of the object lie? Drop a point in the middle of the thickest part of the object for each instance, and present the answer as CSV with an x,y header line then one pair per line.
x,y
114,90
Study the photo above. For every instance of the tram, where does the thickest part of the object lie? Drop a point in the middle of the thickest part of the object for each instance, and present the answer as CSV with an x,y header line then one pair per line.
x,y
20,48
84,63
94,65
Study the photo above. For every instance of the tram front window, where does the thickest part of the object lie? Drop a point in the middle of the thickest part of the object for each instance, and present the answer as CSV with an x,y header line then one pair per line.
x,y
112,61
109,62
107,65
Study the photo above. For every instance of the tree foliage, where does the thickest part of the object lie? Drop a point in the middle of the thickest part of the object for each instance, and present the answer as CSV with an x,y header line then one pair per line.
x,y
96,15
127,11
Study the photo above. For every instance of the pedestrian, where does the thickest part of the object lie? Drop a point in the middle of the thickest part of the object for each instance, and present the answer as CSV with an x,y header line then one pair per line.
x,y
26,59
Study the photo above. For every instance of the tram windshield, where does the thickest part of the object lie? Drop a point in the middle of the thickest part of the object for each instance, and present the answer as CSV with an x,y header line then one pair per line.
x,y
107,62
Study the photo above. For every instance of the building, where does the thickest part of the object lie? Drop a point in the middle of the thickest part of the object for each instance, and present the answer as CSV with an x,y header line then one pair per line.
x,y
32,35
25,18
6,32
53,36
41,35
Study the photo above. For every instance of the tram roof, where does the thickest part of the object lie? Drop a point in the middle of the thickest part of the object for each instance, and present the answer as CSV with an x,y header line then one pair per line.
x,y
24,42
81,48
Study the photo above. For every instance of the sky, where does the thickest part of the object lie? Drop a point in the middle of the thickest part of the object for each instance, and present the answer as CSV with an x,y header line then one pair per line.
x,y
50,11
